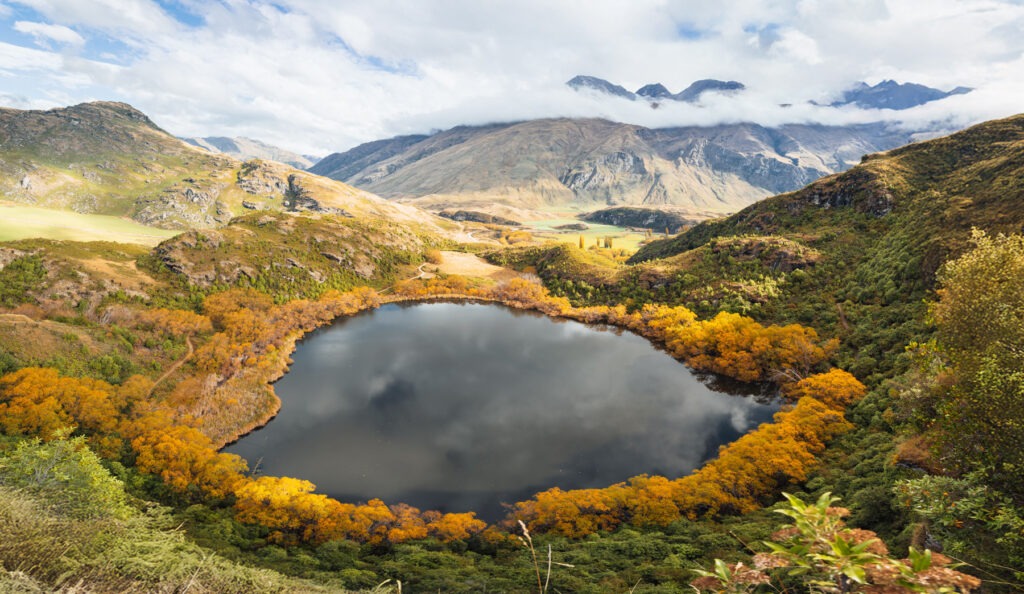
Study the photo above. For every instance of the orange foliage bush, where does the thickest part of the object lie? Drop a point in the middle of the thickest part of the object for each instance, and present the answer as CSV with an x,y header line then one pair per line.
x,y
174,322
38,401
836,388
290,508
182,456
737,346
745,474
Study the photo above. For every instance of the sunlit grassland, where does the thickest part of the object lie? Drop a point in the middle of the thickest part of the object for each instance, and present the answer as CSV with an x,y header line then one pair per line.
x,y
546,228
26,222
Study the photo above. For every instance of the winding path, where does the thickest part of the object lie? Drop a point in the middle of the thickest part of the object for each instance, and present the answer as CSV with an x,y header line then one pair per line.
x,y
173,368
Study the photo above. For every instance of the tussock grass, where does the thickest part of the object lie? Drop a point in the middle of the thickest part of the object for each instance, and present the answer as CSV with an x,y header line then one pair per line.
x,y
74,532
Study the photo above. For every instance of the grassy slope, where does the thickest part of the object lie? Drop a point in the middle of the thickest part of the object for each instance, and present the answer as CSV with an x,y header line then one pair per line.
x,y
67,525
290,255
880,230
26,222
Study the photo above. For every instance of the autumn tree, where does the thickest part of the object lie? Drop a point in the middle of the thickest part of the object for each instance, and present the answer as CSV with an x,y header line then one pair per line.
x,y
182,456
289,508
218,305
453,527
38,401
739,347
175,322
980,319
835,388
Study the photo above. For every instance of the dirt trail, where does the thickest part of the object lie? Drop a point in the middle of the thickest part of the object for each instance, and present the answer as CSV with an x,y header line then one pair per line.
x,y
471,265
173,368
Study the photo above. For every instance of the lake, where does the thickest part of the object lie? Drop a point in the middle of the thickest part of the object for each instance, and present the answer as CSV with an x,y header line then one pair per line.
x,y
462,406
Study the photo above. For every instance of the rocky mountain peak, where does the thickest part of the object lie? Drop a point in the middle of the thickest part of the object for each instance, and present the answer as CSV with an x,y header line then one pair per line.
x,y
598,84
693,92
654,91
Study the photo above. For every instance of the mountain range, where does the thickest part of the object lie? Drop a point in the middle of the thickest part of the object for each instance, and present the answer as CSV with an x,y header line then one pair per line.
x,y
590,163
656,91
887,94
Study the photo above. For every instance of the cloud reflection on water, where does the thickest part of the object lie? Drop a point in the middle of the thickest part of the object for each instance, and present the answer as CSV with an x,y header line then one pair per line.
x,y
461,406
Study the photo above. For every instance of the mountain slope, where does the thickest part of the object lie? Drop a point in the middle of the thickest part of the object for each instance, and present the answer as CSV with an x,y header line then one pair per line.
x,y
243,149
344,165
592,162
109,158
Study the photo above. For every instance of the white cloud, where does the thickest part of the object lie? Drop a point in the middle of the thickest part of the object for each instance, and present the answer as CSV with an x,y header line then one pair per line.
x,y
134,18
318,75
45,33
797,45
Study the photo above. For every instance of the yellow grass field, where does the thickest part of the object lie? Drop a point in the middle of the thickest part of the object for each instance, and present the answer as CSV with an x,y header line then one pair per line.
x,y
546,229
26,222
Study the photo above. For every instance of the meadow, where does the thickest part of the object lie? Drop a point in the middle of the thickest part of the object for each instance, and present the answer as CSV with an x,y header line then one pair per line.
x,y
24,222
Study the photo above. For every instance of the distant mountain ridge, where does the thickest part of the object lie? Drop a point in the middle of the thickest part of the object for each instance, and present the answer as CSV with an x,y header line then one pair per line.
x,y
243,149
690,94
887,94
705,171
890,94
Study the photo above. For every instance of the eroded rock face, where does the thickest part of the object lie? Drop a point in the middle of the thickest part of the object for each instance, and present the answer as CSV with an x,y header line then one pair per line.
x,y
7,255
859,189
184,205
592,179
776,253
261,178
771,173
297,198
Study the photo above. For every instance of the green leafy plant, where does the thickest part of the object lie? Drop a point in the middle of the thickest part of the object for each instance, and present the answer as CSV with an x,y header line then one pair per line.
x,y
829,557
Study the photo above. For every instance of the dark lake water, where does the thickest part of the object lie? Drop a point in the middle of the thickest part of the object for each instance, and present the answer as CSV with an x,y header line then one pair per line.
x,y
460,407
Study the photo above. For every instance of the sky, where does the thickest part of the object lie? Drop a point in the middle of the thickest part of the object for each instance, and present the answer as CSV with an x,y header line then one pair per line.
x,y
317,76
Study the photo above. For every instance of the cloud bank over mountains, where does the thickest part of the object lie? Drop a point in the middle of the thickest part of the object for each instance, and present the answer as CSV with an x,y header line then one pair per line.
x,y
316,76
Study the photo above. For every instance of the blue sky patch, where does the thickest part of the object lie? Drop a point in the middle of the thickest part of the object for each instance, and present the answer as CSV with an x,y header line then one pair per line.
x,y
180,12
400,67
691,31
